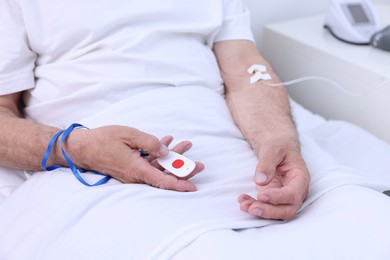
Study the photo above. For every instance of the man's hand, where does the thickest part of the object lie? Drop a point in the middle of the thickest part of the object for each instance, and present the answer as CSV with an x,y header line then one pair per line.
x,y
282,181
114,150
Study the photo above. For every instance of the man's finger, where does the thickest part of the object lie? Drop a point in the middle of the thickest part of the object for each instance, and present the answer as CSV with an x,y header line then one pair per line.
x,y
269,211
280,196
265,169
169,182
245,202
156,178
166,140
148,143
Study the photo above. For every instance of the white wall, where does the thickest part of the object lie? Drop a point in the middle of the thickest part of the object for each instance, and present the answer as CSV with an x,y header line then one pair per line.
x,y
264,12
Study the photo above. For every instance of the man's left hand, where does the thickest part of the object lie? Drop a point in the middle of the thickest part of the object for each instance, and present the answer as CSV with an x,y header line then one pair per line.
x,y
282,181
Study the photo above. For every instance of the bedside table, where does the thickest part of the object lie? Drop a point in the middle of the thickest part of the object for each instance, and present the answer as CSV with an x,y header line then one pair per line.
x,y
302,47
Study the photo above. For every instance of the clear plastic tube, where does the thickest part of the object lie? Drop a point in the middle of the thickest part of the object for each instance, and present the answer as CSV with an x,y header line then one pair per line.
x,y
294,81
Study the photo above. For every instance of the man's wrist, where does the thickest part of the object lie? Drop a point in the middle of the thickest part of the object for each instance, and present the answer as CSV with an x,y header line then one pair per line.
x,y
75,146
278,131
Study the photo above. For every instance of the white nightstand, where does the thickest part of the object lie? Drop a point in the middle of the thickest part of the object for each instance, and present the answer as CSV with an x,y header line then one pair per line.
x,y
303,47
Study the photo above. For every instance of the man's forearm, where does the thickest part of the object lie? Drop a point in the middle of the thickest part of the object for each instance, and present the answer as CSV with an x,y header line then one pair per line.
x,y
263,115
23,142
262,112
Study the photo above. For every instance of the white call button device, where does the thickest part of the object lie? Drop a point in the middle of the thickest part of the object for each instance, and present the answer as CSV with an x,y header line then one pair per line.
x,y
177,164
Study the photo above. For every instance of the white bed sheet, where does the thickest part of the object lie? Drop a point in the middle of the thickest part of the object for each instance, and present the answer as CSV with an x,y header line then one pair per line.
x,y
53,216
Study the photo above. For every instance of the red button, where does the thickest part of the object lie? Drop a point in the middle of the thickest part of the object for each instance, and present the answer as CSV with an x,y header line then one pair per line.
x,y
177,163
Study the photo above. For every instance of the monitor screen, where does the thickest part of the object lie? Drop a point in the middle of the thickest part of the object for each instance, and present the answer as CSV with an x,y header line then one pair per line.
x,y
358,14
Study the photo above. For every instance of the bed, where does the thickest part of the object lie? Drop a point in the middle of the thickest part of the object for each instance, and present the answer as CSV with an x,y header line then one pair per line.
x,y
50,215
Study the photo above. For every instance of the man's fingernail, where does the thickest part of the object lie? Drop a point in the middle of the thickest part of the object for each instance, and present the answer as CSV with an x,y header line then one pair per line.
x,y
256,212
164,150
188,146
260,177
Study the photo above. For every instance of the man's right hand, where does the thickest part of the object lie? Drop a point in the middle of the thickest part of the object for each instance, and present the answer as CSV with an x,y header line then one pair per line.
x,y
114,150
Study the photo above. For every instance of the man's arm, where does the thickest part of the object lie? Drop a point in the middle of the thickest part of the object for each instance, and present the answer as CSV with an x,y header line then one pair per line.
x,y
263,114
112,150
22,142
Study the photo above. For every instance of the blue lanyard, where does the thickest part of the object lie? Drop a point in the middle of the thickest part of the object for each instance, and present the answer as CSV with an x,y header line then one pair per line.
x,y
76,171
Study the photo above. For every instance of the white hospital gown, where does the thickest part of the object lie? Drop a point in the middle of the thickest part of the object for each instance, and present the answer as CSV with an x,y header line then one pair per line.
x,y
77,57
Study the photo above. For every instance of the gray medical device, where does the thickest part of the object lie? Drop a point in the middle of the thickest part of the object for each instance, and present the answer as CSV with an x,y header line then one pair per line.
x,y
352,21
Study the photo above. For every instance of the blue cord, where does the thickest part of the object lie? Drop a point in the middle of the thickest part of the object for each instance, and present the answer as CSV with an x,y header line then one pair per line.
x,y
76,171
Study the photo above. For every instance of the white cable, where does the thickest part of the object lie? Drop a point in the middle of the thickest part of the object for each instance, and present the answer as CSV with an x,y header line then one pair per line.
x,y
329,81
258,72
